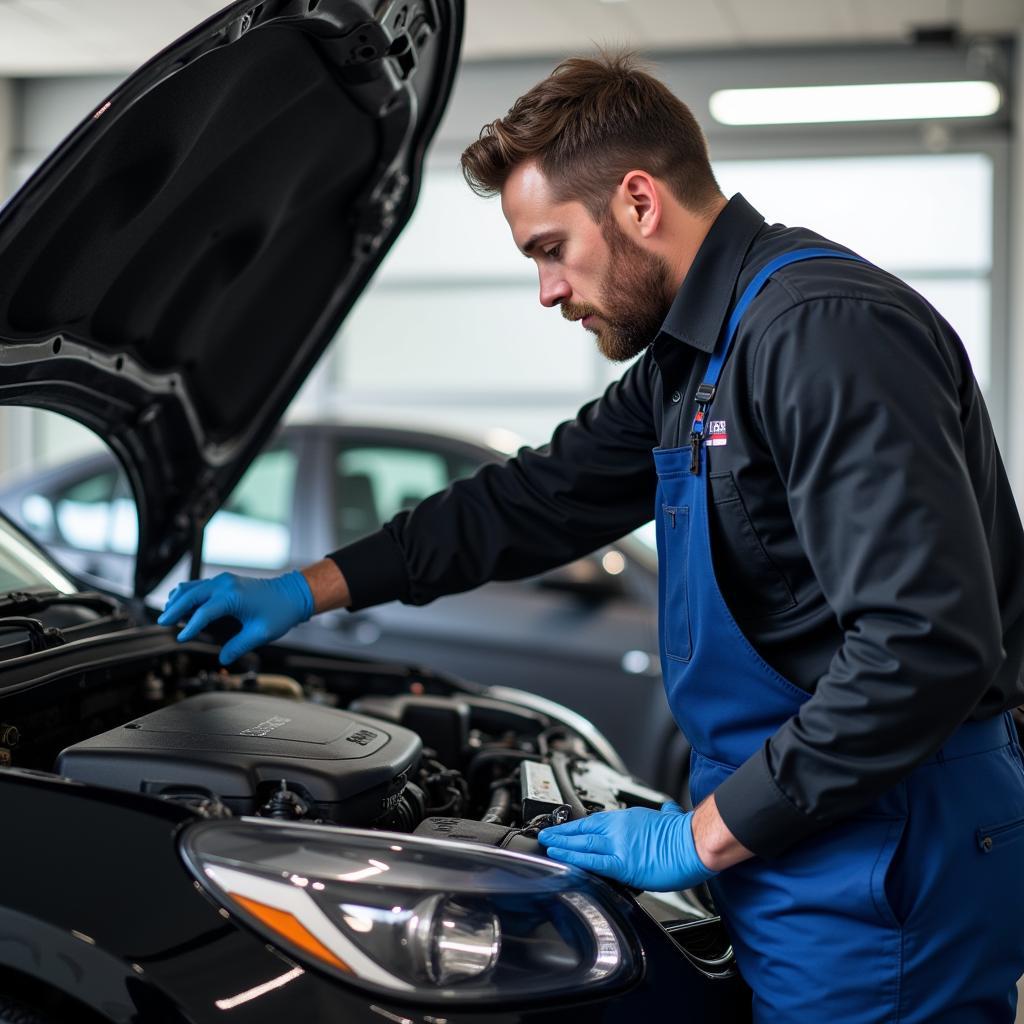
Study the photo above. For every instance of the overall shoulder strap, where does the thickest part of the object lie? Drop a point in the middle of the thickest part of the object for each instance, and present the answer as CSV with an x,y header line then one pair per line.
x,y
706,391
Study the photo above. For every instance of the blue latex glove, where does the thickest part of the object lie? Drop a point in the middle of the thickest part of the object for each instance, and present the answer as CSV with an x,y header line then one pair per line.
x,y
266,608
649,850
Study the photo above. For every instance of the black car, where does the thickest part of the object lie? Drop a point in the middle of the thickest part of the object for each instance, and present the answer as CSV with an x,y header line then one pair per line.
x,y
584,635
312,837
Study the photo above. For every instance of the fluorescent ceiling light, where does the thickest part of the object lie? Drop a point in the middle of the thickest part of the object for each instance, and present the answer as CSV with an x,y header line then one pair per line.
x,y
898,101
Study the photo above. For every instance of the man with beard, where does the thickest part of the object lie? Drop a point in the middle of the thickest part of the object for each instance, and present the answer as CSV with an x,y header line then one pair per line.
x,y
842,611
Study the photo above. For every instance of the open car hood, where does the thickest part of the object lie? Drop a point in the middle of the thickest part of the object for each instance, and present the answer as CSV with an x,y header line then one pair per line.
x,y
171,273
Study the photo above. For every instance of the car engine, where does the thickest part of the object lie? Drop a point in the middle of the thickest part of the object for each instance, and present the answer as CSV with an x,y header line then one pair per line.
x,y
299,737
456,766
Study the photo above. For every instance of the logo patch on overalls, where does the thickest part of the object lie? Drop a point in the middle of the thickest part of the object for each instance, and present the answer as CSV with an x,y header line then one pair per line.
x,y
717,435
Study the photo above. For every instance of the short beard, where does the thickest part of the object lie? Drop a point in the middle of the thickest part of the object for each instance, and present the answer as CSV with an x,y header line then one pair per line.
x,y
636,295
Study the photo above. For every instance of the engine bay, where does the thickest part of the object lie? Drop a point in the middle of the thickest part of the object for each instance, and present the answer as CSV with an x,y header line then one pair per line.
x,y
300,737
322,740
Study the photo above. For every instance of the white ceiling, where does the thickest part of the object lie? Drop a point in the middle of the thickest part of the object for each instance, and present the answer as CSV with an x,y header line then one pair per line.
x,y
565,26
53,37
47,37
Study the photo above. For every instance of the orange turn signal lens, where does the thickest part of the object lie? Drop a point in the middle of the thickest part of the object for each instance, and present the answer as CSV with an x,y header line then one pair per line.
x,y
289,927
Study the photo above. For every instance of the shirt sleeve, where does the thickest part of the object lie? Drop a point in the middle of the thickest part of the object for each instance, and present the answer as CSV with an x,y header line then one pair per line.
x,y
863,407
593,482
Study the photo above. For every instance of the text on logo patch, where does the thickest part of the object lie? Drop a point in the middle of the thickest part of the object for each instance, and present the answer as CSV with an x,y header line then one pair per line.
x,y
717,434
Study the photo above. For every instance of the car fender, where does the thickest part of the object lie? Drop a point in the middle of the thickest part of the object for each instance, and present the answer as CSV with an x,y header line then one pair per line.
x,y
72,964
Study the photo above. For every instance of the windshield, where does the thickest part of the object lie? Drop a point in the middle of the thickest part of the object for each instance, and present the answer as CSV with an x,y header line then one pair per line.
x,y
24,567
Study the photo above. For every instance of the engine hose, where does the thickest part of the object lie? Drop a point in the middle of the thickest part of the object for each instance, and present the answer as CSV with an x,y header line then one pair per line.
x,y
544,739
403,817
501,806
486,757
285,805
560,768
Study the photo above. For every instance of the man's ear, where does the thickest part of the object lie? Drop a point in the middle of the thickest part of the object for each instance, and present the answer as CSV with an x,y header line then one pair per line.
x,y
639,203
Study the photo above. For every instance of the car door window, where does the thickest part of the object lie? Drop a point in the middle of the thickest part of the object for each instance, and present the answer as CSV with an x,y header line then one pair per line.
x,y
374,482
253,527
83,511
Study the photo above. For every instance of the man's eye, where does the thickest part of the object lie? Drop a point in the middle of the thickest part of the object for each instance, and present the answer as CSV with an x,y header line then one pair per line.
x,y
554,252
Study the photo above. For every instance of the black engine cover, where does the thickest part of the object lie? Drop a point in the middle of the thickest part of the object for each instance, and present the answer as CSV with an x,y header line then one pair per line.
x,y
241,746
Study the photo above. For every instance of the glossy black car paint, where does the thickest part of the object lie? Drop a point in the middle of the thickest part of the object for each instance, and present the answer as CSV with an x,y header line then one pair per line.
x,y
97,903
120,926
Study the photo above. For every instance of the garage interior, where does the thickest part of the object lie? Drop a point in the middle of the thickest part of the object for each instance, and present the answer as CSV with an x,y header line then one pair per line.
x,y
936,199
453,269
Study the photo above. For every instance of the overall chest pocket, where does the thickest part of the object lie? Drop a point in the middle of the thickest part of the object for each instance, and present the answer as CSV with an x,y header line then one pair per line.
x,y
674,607
749,579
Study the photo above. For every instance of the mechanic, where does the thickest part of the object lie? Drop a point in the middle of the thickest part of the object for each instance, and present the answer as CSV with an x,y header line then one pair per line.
x,y
842,602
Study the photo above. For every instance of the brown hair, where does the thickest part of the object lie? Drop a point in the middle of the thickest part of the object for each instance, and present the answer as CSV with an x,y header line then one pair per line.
x,y
587,124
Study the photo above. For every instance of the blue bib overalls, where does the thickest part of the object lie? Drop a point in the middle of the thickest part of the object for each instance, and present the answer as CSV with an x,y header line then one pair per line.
x,y
910,911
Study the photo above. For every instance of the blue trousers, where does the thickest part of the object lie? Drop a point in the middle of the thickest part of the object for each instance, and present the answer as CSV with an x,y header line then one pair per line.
x,y
910,912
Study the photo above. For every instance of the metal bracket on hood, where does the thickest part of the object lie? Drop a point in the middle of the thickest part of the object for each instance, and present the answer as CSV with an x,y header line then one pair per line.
x,y
387,45
411,26
378,216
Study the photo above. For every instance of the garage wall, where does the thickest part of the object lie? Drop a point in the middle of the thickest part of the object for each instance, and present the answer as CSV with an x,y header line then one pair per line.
x,y
942,224
452,336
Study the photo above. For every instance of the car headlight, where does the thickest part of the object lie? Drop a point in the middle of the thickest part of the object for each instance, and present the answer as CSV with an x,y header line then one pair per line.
x,y
414,917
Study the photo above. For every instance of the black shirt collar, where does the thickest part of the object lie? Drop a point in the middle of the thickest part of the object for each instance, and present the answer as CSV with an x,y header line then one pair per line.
x,y
702,302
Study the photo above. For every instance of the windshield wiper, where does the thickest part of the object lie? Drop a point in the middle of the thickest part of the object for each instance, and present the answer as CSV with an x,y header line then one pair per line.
x,y
24,602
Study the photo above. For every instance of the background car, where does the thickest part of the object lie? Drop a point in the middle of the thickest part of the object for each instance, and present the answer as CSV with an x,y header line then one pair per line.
x,y
584,635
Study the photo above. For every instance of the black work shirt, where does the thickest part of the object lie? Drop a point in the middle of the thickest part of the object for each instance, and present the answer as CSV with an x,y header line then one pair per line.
x,y
863,529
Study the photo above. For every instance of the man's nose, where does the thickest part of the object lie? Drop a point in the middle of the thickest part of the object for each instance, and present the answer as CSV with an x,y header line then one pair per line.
x,y
554,290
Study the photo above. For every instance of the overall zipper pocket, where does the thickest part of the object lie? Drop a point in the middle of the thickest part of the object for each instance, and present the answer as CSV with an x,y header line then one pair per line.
x,y
674,611
990,836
